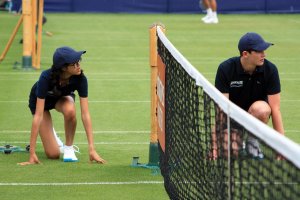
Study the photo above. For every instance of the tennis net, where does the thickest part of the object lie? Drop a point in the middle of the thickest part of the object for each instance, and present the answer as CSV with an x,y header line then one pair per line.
x,y
196,159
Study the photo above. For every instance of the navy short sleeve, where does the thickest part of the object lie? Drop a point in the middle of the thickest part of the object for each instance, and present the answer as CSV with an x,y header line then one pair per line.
x,y
82,88
42,85
221,81
45,89
273,86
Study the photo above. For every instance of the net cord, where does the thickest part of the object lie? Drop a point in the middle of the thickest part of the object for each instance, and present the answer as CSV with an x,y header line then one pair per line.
x,y
283,145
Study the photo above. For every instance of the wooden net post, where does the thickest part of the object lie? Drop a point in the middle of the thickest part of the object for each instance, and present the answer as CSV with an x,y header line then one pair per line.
x,y
27,34
39,33
32,12
153,150
32,33
33,30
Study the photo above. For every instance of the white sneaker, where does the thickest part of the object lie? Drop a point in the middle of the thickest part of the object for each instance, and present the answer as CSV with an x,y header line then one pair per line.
x,y
61,149
69,154
253,148
76,149
211,20
205,18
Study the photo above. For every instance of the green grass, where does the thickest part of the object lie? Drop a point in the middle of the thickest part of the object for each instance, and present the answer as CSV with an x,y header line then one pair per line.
x,y
117,65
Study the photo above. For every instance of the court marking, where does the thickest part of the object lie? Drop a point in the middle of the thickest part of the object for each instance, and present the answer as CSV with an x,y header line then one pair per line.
x,y
123,101
82,143
84,183
81,131
105,132
132,183
90,79
90,101
118,79
92,73
120,101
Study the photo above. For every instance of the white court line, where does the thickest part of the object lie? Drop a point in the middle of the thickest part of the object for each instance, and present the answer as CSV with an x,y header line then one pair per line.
x,y
90,79
82,143
95,132
88,73
133,183
122,73
125,101
130,183
116,79
96,101
99,132
120,79
90,101
84,183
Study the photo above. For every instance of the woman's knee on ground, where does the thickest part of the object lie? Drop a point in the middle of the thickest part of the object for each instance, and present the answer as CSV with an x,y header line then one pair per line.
x,y
53,154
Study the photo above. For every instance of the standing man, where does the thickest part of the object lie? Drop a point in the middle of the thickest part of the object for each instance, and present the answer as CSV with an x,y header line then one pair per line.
x,y
251,81
211,12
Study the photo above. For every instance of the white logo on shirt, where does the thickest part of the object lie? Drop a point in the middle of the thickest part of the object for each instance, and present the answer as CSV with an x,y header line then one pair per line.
x,y
236,84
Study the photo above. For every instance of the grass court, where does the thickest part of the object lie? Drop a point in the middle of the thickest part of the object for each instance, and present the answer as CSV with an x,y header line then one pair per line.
x,y
117,67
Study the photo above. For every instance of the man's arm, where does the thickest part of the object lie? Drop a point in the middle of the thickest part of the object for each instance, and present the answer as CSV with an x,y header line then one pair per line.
x,y
274,102
226,95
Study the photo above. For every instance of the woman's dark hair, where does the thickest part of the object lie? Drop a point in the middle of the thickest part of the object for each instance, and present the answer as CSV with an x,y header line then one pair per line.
x,y
55,77
55,74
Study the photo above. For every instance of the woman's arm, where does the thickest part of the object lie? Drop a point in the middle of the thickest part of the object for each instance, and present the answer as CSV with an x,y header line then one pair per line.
x,y
87,123
36,121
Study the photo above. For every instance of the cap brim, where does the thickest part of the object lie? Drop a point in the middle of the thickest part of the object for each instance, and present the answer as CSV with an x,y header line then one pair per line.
x,y
76,56
263,46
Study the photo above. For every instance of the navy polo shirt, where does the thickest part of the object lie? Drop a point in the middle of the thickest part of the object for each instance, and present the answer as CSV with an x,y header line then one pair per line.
x,y
244,89
44,89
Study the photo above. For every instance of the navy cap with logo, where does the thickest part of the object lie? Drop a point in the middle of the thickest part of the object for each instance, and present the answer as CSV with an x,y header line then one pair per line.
x,y
65,55
253,41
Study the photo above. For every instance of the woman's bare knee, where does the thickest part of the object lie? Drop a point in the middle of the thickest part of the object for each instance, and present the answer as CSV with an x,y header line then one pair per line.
x,y
69,113
53,154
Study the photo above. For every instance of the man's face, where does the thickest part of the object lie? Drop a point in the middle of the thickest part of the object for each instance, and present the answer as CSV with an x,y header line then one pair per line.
x,y
257,57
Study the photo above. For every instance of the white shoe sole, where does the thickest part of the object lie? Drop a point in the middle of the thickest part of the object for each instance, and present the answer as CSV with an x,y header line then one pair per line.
x,y
70,160
215,22
69,154
211,21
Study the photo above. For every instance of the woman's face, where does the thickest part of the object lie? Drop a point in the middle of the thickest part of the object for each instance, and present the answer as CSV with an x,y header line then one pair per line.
x,y
74,69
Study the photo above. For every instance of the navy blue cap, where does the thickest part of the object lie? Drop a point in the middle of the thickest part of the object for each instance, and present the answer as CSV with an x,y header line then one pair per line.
x,y
66,55
253,41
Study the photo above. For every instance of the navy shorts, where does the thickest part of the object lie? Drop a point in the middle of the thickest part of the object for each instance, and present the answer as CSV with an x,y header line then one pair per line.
x,y
50,102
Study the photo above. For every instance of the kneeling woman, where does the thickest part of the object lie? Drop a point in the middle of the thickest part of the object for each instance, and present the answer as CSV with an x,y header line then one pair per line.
x,y
55,90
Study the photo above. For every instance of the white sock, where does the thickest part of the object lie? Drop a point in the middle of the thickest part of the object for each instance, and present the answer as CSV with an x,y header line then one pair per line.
x,y
214,14
68,147
209,11
59,142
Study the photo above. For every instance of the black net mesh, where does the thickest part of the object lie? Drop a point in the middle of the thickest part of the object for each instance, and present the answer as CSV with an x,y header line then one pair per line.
x,y
196,163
